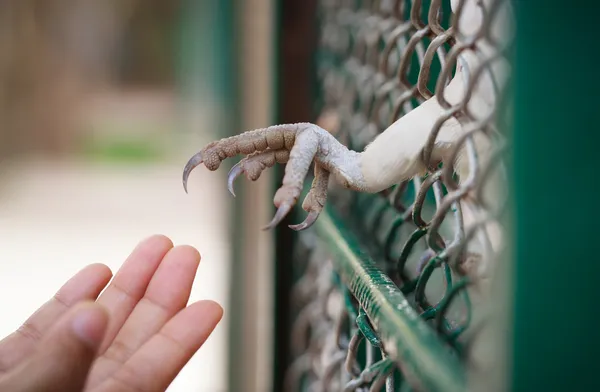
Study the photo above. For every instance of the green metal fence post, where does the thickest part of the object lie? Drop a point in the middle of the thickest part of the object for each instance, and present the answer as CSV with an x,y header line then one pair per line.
x,y
556,342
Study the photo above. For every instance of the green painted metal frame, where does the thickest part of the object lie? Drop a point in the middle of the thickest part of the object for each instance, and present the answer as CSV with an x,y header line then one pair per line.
x,y
406,336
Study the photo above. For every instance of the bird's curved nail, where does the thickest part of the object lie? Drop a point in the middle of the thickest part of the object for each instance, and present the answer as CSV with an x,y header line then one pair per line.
x,y
189,166
311,218
234,173
282,211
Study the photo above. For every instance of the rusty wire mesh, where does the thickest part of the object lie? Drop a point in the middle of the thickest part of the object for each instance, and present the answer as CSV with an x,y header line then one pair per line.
x,y
377,61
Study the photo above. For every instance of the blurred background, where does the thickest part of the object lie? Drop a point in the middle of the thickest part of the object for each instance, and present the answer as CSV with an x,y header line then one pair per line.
x,y
101,105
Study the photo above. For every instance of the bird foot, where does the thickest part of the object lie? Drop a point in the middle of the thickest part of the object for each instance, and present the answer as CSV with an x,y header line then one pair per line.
x,y
296,145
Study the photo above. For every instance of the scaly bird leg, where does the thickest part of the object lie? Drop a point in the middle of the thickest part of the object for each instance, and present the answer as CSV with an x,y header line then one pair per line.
x,y
393,157
305,143
315,199
274,138
301,156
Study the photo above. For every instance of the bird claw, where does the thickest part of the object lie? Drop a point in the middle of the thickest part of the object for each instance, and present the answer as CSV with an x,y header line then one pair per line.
x,y
281,213
296,145
311,218
234,173
194,161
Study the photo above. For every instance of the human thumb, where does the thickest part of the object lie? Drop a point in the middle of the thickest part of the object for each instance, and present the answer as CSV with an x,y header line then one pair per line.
x,y
65,354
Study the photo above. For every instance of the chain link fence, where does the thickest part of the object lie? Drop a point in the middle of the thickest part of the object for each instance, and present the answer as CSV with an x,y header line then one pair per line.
x,y
391,289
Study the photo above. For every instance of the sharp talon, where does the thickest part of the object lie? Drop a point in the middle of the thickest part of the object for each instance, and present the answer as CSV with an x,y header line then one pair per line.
x,y
234,173
308,222
192,163
282,211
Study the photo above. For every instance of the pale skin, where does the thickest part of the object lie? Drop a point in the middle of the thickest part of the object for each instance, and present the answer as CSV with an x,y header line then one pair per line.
x,y
136,335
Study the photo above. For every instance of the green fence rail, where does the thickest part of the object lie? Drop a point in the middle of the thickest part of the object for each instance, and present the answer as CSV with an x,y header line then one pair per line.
x,y
391,289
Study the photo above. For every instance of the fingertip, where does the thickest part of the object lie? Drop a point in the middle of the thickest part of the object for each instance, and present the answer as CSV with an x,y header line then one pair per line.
x,y
89,324
195,323
187,252
212,309
157,240
85,284
154,247
100,269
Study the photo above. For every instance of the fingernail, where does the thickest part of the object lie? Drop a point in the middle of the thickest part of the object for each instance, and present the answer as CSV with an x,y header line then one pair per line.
x,y
89,325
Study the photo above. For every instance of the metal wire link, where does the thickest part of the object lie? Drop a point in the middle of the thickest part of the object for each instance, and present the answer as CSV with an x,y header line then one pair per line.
x,y
434,236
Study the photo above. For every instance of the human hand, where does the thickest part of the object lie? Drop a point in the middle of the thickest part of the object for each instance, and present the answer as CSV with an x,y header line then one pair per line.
x,y
136,336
